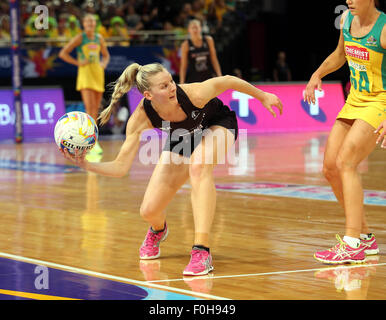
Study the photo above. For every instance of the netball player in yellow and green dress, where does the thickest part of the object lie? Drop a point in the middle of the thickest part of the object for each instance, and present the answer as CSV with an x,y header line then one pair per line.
x,y
91,77
359,124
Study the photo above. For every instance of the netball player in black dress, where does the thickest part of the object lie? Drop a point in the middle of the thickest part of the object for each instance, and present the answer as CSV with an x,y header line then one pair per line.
x,y
192,116
198,56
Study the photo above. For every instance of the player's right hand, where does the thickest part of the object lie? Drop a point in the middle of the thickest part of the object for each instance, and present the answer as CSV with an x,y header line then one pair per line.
x,y
315,83
78,158
270,100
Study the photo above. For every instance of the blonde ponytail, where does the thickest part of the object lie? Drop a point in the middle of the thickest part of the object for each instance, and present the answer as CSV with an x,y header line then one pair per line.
x,y
124,83
136,75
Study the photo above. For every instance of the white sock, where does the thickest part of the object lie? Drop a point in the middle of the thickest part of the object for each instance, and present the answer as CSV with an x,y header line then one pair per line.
x,y
365,236
352,242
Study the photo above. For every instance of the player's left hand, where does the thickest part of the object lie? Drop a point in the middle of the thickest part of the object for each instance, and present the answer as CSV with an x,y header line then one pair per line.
x,y
270,100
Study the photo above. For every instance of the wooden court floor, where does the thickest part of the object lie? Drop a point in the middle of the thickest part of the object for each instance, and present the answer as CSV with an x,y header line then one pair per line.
x,y
274,210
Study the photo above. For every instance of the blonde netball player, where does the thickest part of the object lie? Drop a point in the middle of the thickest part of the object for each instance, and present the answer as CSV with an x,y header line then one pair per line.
x,y
192,116
354,135
91,77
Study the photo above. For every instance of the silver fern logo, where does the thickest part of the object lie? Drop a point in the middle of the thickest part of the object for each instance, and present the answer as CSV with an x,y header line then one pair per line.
x,y
195,114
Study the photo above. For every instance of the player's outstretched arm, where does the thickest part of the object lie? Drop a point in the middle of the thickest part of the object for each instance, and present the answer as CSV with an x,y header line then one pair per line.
x,y
332,63
201,92
121,165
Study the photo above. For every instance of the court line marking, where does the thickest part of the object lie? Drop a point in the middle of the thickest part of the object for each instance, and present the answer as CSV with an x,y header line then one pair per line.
x,y
278,272
293,191
31,295
108,276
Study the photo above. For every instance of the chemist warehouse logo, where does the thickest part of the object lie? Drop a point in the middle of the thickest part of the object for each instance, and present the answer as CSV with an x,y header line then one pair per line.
x,y
359,53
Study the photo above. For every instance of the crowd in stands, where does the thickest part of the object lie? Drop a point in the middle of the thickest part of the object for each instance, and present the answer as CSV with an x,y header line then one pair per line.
x,y
117,18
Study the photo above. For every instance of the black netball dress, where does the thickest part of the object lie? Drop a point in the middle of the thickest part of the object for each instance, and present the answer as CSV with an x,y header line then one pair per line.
x,y
199,64
184,136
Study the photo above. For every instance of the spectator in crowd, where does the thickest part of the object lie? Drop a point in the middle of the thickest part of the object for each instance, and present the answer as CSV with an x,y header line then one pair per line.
x,y
180,20
24,11
198,10
69,8
62,30
106,13
187,11
89,7
118,28
150,21
39,29
230,5
72,27
206,4
281,71
136,14
4,30
133,19
30,29
179,32
100,28
217,9
52,31
237,73
143,7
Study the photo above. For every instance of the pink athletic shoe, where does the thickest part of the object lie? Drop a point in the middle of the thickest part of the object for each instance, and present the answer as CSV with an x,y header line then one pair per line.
x,y
150,247
341,253
200,263
371,245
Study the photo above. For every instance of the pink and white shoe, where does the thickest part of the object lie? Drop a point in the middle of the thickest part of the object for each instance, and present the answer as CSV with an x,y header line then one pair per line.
x,y
342,253
200,263
150,247
371,245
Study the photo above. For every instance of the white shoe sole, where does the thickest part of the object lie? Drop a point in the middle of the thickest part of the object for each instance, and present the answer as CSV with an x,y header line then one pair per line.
x,y
190,273
340,262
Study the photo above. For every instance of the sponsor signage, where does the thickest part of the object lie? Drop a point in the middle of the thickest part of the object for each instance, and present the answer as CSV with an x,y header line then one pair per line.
x,y
41,109
297,116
